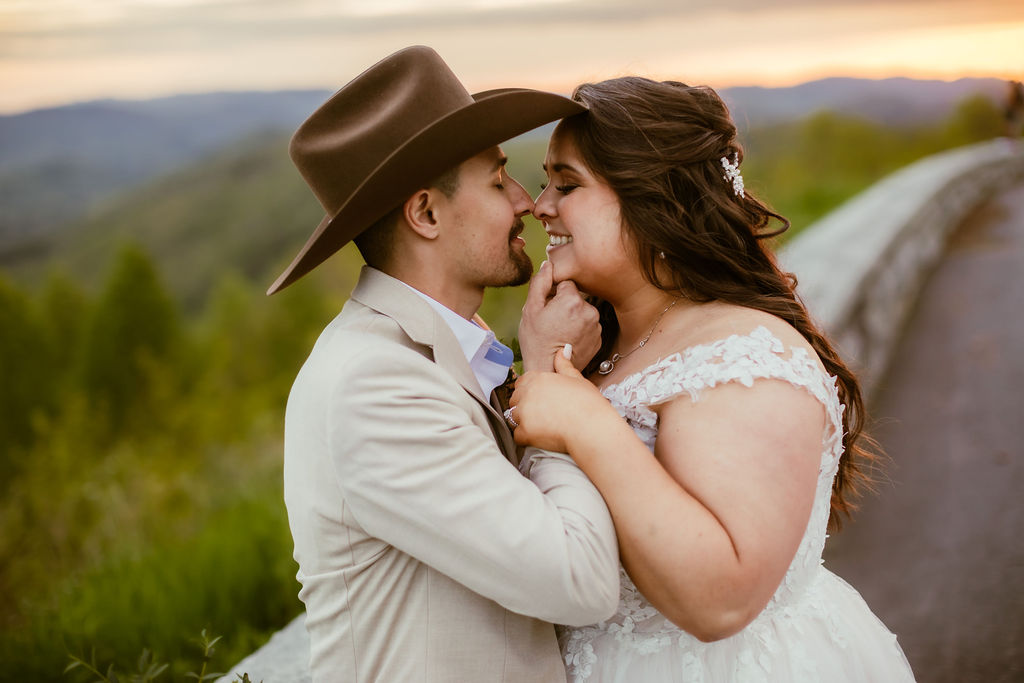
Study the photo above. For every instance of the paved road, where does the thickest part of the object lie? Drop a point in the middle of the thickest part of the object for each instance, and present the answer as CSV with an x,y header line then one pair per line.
x,y
939,552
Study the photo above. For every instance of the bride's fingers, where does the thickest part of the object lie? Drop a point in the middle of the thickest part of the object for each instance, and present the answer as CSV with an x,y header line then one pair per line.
x,y
563,363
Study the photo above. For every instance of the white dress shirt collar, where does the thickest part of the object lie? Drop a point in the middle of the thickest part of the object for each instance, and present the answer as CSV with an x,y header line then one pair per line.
x,y
488,358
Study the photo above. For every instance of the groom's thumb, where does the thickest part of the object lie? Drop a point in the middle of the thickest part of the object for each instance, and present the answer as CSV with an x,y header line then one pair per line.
x,y
563,362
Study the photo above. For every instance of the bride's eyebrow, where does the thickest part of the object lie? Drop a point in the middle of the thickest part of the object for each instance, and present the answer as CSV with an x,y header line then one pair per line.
x,y
560,168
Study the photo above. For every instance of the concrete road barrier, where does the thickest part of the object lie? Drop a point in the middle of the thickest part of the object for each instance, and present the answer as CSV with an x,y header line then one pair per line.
x,y
861,267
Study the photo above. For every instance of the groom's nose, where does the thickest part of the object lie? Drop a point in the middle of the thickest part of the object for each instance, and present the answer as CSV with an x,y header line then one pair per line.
x,y
522,203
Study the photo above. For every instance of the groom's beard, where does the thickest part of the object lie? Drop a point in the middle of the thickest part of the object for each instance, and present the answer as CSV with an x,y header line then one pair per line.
x,y
520,265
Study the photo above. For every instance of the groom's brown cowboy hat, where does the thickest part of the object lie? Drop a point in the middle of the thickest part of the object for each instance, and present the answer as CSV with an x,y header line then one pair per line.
x,y
399,125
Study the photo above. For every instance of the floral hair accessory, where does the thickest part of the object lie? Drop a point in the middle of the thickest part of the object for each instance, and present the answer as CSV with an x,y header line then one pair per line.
x,y
732,174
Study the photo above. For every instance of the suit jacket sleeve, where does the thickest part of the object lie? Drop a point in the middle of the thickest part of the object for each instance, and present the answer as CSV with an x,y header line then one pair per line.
x,y
417,473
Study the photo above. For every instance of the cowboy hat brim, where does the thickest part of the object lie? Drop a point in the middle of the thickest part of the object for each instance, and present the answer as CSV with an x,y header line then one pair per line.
x,y
493,117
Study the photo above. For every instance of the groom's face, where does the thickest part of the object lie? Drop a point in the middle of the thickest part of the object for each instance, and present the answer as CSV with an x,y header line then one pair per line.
x,y
482,222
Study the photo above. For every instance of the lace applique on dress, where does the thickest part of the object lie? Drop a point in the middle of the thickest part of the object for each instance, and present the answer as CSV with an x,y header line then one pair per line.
x,y
738,358
804,598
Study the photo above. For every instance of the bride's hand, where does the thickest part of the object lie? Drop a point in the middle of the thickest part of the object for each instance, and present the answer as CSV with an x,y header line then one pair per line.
x,y
550,407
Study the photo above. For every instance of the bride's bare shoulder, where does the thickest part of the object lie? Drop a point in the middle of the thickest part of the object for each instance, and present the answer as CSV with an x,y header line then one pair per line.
x,y
719,321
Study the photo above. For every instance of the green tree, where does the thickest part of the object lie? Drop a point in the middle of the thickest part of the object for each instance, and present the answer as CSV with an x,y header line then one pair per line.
x,y
65,309
133,328
26,371
291,321
975,119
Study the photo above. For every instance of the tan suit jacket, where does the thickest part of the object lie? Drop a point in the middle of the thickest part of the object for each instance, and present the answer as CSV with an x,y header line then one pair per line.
x,y
424,555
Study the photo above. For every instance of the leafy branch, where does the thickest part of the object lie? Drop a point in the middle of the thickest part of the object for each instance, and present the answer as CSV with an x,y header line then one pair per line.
x,y
148,669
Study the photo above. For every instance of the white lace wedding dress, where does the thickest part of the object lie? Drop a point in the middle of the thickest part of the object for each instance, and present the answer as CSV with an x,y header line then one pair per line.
x,y
816,628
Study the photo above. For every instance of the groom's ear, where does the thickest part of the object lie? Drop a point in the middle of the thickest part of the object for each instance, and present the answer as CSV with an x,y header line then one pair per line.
x,y
420,212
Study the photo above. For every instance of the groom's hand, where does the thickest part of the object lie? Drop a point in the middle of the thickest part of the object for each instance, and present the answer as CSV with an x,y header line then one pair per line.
x,y
553,317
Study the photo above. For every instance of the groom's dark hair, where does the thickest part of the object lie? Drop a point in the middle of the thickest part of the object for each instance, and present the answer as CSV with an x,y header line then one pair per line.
x,y
376,243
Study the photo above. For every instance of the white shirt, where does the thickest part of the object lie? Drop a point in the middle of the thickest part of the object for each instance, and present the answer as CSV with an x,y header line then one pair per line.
x,y
488,358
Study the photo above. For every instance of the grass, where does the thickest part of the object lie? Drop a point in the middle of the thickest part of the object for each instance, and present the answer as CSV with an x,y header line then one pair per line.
x,y
232,575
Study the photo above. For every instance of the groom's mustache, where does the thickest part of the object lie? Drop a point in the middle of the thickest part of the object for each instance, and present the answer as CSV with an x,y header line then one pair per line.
x,y
517,229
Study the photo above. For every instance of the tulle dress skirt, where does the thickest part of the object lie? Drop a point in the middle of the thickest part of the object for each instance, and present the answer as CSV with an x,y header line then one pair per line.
x,y
827,635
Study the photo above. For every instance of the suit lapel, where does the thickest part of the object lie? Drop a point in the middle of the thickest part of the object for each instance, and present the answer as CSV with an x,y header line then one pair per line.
x,y
501,430
392,298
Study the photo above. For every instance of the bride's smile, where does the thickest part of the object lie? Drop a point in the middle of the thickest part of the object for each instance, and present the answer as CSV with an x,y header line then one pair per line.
x,y
555,241
582,217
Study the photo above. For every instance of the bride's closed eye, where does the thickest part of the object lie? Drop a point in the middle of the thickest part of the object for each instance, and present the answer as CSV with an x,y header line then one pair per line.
x,y
564,189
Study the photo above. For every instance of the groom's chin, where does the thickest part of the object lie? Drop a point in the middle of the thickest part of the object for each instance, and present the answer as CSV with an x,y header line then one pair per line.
x,y
523,270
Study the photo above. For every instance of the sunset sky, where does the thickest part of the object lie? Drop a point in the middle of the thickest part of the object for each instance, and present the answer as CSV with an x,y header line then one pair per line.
x,y
59,51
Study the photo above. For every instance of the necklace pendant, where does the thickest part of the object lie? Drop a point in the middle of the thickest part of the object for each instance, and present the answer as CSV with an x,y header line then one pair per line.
x,y
607,366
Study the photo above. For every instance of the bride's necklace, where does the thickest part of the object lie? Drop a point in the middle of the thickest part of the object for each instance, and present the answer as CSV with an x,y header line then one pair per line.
x,y
607,366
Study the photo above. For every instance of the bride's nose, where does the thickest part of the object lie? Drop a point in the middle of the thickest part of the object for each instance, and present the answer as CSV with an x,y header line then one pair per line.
x,y
544,206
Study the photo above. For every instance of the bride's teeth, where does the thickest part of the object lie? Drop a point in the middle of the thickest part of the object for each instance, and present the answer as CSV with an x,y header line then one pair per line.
x,y
559,240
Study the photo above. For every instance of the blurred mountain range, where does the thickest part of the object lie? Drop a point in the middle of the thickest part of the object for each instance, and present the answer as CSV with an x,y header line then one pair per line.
x,y
97,167
890,101
54,163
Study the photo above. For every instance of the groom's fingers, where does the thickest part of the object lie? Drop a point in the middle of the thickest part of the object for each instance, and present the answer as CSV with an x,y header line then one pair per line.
x,y
540,286
517,391
567,288
549,322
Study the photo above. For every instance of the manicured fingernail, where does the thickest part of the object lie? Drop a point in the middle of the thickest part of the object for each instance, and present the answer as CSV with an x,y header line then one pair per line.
x,y
567,351
542,264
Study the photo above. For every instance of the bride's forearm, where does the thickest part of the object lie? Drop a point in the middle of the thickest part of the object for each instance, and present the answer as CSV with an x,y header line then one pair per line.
x,y
676,551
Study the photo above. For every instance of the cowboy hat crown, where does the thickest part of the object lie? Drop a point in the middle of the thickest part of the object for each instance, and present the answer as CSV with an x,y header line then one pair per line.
x,y
392,130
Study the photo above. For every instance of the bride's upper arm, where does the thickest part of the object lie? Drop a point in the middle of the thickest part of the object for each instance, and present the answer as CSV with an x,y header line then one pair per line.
x,y
751,456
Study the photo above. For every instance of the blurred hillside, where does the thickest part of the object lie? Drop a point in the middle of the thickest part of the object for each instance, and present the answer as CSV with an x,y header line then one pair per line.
x,y
57,164
243,208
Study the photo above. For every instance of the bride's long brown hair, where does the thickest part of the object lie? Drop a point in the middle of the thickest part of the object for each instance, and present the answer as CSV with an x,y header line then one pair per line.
x,y
659,146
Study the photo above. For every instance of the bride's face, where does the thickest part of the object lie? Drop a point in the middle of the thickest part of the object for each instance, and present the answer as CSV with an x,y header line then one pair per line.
x,y
581,215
